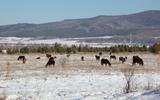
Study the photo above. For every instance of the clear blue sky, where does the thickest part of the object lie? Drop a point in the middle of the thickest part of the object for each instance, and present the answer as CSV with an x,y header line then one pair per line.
x,y
40,11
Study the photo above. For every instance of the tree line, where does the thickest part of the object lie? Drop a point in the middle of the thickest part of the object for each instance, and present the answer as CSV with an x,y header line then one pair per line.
x,y
58,48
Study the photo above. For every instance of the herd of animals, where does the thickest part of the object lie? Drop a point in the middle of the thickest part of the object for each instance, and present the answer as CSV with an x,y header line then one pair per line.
x,y
104,61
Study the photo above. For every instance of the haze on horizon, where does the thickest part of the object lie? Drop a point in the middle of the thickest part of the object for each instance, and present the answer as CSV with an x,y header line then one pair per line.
x,y
42,11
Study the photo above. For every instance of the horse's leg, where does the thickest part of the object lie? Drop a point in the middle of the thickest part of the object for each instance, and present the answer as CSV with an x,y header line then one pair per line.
x,y
46,65
109,64
23,61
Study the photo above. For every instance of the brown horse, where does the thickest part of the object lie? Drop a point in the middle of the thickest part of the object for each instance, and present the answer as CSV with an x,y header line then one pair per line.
x,y
100,53
23,58
51,61
48,55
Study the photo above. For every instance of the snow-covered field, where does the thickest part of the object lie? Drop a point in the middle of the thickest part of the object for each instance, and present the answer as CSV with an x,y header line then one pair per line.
x,y
73,79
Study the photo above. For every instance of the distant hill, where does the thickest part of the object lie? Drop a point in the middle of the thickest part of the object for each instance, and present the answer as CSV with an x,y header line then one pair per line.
x,y
143,24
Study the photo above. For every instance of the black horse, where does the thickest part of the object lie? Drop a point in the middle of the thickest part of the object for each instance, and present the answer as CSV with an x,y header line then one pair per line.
x,y
138,60
82,58
112,57
97,57
38,58
122,59
105,62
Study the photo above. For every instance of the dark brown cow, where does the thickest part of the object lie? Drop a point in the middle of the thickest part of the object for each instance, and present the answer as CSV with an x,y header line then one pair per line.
x,y
23,58
137,60
48,55
112,57
105,62
51,61
97,57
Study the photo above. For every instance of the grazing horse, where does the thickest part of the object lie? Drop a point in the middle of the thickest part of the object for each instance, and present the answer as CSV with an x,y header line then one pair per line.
x,y
48,55
97,57
137,60
23,58
100,53
82,58
38,58
51,61
122,59
112,57
105,62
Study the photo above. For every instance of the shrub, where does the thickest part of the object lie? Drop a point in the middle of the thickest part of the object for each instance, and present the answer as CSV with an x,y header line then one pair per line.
x,y
24,50
155,48
12,50
58,48
129,75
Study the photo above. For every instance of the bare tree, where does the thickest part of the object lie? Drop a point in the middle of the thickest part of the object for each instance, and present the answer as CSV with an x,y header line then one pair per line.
x,y
129,76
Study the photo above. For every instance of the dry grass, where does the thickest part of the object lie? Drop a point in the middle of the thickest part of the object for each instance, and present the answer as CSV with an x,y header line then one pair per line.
x,y
8,69
33,65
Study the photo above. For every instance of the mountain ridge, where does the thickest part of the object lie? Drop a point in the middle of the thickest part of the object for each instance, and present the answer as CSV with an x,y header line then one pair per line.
x,y
138,23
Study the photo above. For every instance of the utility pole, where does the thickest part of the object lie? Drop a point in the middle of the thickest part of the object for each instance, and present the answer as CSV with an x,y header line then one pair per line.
x,y
130,39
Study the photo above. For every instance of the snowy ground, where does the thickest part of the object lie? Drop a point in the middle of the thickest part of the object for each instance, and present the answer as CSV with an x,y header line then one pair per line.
x,y
64,41
76,80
